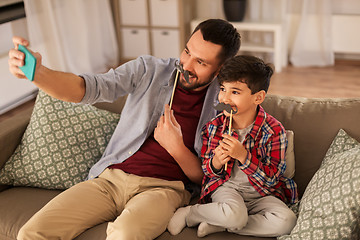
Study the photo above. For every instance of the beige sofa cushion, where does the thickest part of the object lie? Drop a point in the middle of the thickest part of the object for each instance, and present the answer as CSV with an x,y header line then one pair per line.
x,y
290,155
315,122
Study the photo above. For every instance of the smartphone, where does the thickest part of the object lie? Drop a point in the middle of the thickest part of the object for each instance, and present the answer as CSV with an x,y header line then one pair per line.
x,y
30,63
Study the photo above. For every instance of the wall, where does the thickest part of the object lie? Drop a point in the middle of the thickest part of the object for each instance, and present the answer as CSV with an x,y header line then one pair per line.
x,y
214,9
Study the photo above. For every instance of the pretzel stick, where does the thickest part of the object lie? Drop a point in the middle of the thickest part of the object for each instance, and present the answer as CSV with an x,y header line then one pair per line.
x,y
173,92
230,123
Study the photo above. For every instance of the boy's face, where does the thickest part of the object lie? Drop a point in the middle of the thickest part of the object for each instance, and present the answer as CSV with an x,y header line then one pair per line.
x,y
239,96
200,58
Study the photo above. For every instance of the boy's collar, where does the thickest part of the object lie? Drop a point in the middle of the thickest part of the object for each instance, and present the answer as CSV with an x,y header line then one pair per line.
x,y
259,121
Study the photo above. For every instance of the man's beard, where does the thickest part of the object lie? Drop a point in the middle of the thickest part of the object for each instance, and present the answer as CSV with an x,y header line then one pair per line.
x,y
195,84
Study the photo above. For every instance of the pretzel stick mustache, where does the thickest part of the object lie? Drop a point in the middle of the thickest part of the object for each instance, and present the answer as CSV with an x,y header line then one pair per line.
x,y
230,125
186,74
180,68
173,91
229,109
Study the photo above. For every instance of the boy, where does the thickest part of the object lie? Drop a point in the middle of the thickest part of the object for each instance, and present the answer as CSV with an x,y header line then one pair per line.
x,y
248,197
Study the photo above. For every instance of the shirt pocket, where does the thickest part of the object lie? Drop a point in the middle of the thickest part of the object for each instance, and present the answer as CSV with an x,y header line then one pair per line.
x,y
261,154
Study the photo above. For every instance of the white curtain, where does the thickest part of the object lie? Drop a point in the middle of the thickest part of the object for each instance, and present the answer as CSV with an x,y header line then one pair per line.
x,y
312,45
74,36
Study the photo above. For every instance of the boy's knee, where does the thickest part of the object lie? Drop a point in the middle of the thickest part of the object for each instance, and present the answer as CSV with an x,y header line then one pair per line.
x,y
285,223
288,223
236,221
237,218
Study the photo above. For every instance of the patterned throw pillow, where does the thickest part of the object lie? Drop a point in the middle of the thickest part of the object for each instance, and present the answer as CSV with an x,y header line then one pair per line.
x,y
330,206
62,141
341,143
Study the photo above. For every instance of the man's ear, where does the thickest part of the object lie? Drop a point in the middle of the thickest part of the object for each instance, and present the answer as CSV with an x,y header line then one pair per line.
x,y
260,97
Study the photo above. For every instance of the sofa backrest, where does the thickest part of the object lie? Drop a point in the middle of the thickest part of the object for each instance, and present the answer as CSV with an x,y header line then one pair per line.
x,y
315,122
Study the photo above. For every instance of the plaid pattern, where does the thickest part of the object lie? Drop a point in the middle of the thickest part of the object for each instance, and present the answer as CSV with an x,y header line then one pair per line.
x,y
265,164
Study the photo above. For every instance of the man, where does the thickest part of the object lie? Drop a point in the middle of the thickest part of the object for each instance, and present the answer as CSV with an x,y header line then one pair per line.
x,y
153,154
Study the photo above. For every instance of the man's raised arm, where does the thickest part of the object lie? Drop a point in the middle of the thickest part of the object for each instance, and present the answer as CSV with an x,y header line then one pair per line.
x,y
64,86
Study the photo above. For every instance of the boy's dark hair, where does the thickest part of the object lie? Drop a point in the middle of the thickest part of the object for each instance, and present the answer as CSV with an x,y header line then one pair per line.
x,y
221,32
247,69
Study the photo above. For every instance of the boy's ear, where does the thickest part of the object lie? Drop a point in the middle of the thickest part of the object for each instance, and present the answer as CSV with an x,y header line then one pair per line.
x,y
260,97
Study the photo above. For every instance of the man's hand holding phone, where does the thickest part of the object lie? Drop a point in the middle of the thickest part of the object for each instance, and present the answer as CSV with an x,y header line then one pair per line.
x,y
22,61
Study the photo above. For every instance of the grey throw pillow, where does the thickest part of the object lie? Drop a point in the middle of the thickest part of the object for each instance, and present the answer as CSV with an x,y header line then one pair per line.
x,y
330,206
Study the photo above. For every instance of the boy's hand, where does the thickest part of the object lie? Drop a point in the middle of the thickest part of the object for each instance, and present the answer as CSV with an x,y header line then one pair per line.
x,y
233,148
220,158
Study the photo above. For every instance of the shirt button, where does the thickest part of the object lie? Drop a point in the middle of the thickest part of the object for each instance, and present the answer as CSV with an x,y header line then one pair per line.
x,y
130,153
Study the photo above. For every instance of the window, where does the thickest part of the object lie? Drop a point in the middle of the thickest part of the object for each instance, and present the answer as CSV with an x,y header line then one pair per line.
x,y
13,91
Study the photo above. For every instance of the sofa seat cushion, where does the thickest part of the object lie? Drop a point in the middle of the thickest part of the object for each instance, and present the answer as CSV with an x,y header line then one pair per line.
x,y
17,205
190,234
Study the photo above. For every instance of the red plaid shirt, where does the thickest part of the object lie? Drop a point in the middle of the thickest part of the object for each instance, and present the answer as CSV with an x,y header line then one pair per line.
x,y
265,163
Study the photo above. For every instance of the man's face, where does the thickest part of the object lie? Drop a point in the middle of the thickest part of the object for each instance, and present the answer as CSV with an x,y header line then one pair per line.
x,y
200,58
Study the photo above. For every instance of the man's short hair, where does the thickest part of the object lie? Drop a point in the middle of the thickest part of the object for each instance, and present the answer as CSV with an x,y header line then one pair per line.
x,y
221,32
247,69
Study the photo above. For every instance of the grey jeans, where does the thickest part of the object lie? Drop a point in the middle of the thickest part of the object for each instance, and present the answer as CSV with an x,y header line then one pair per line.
x,y
244,213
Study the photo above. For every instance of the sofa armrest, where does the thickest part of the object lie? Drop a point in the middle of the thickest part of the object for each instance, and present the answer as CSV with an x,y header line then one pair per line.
x,y
11,131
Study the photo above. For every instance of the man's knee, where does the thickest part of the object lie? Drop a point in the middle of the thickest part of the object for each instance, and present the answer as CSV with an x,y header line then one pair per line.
x,y
29,231
129,232
40,229
22,234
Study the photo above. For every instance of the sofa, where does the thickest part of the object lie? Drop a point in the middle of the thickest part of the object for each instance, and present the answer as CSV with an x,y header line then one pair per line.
x,y
314,121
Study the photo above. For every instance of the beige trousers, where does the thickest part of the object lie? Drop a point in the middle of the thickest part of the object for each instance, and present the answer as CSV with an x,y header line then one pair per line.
x,y
135,207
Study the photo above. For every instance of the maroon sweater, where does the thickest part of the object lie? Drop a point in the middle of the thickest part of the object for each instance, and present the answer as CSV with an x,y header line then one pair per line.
x,y
152,160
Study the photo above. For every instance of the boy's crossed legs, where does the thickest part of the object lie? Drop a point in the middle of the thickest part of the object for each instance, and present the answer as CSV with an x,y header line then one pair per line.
x,y
264,216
